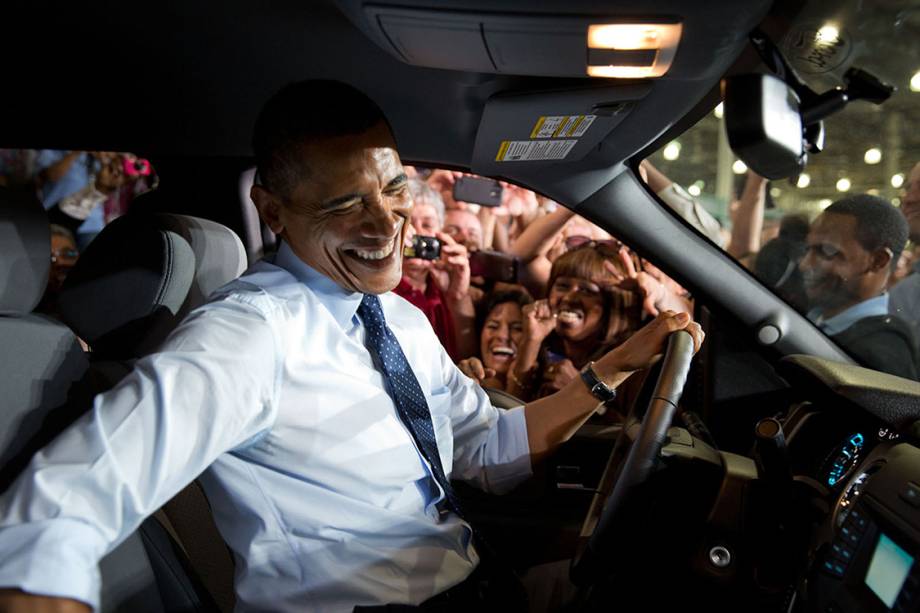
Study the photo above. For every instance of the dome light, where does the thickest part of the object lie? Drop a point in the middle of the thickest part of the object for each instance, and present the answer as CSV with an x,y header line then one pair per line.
x,y
739,167
915,82
694,190
828,34
897,180
824,203
804,180
720,110
844,185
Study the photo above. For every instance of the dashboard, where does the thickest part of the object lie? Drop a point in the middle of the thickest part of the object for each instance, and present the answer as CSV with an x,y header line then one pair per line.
x,y
865,555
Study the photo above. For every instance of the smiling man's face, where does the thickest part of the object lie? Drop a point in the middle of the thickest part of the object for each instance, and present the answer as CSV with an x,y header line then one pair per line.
x,y
348,216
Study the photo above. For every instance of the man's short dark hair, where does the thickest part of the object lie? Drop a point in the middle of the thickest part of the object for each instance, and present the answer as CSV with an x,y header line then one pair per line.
x,y
301,112
879,224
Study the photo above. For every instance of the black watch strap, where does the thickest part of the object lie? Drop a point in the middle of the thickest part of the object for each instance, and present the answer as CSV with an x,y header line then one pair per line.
x,y
596,386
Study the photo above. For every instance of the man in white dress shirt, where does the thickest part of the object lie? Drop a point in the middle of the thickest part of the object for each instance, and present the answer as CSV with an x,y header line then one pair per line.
x,y
315,479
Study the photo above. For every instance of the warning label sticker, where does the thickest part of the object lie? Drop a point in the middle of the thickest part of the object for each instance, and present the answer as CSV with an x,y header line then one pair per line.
x,y
533,150
562,126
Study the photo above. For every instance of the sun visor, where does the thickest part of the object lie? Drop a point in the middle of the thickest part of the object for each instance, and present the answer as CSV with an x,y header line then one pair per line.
x,y
549,46
541,128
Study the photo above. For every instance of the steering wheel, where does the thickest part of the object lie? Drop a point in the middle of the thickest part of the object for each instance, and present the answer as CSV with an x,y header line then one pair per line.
x,y
644,433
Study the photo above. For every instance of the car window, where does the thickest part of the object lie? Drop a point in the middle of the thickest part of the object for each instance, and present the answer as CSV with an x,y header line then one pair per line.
x,y
839,242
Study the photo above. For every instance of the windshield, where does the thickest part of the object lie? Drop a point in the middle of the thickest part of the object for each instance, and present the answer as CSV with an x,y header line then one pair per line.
x,y
839,241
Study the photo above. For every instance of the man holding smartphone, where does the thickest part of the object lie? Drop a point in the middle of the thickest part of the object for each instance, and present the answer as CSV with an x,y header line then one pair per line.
x,y
326,416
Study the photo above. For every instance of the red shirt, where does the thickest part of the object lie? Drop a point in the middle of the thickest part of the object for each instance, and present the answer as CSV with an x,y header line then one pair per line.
x,y
431,303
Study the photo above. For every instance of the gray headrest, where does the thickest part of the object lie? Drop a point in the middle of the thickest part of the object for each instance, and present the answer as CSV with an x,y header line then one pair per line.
x,y
219,255
25,251
130,282
141,275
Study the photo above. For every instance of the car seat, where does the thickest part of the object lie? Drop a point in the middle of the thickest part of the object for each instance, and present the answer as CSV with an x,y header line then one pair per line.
x,y
129,289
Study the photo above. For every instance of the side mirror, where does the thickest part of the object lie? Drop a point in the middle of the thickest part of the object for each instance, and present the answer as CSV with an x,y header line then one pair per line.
x,y
764,124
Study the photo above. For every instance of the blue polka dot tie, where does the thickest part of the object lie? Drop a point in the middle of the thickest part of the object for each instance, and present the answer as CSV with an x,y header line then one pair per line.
x,y
404,389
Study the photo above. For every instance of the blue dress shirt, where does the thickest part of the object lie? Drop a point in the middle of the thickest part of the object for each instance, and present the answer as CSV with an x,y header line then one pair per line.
x,y
846,318
314,481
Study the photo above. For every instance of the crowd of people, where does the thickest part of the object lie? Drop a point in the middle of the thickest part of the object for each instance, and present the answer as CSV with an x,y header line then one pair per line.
x,y
524,292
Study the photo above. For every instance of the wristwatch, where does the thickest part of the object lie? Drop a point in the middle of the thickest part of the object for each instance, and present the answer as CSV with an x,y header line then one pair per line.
x,y
596,386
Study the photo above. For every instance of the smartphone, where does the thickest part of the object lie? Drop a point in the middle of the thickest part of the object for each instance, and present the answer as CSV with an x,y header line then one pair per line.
x,y
478,190
494,266
423,248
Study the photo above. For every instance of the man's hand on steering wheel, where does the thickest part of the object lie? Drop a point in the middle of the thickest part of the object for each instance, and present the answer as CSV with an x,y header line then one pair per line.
x,y
646,346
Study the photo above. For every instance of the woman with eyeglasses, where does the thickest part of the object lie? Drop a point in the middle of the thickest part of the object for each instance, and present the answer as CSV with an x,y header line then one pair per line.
x,y
596,300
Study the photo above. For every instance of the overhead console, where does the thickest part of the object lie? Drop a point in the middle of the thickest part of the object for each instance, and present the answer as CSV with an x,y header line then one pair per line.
x,y
550,45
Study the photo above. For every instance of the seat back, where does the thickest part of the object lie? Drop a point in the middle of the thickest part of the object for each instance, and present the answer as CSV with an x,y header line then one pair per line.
x,y
40,358
260,240
155,268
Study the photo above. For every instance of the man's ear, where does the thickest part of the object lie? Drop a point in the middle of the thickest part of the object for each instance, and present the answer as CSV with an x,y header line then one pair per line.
x,y
269,208
881,259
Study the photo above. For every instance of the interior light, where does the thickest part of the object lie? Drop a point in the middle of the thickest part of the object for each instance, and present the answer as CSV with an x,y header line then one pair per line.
x,y
694,190
843,185
776,192
828,34
631,50
719,111
672,151
739,167
915,82
873,155
896,201
804,180
897,180
823,203
873,191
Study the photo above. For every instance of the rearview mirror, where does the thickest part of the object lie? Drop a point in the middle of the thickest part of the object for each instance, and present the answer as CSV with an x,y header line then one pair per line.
x,y
764,124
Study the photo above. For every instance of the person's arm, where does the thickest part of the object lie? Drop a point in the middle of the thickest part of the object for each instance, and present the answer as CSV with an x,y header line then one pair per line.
x,y
538,321
656,180
456,262
55,172
747,223
533,245
211,388
552,420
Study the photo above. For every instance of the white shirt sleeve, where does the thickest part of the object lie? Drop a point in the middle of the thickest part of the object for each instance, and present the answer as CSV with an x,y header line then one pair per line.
x,y
490,445
211,389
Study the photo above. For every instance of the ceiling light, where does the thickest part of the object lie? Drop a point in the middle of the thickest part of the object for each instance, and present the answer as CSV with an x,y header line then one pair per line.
x,y
672,151
776,192
896,201
694,190
739,167
873,192
873,155
915,82
804,180
631,50
824,203
897,180
843,185
828,34
720,111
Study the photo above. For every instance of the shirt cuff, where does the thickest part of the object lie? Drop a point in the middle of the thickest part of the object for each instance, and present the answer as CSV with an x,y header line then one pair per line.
x,y
510,464
52,558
